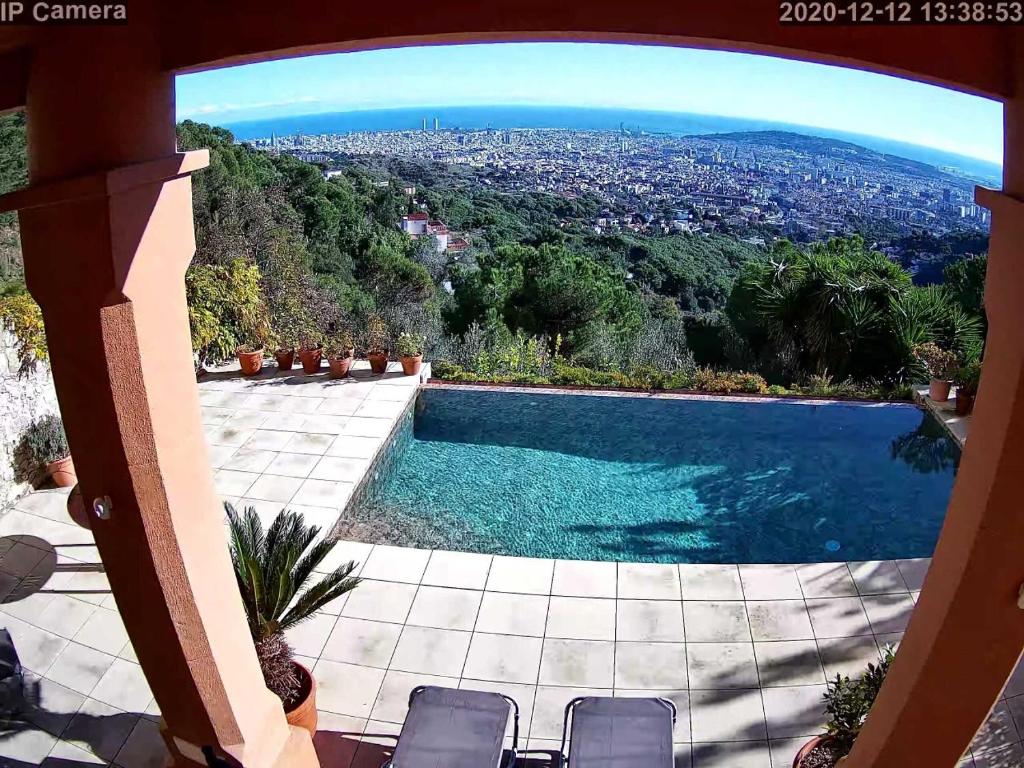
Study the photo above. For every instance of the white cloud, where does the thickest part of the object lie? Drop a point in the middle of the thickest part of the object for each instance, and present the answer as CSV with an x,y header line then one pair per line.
x,y
225,108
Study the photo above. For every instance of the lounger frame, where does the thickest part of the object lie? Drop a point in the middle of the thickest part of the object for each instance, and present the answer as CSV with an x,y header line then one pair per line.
x,y
564,751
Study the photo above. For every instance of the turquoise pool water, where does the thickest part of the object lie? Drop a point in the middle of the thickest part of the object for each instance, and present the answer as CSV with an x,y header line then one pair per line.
x,y
662,480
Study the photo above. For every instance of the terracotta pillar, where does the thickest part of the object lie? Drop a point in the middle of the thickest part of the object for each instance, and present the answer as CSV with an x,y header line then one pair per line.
x,y
107,235
967,631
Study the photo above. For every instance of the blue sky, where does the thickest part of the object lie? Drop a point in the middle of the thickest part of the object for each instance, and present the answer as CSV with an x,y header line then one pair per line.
x,y
590,75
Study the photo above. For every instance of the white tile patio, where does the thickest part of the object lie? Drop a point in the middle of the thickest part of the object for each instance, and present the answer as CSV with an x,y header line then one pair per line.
x,y
743,651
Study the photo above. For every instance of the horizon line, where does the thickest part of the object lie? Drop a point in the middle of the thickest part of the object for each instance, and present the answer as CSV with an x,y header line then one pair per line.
x,y
359,110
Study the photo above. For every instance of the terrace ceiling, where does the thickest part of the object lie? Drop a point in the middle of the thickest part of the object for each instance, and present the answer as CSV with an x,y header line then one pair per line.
x,y
205,34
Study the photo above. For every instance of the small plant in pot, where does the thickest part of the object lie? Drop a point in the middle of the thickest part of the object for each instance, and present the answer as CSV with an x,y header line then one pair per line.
x,y
377,344
848,703
250,358
311,352
49,446
410,352
340,355
274,571
939,363
967,378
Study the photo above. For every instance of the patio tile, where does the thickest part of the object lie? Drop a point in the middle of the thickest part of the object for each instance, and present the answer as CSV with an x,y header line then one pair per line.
x,y
770,582
523,695
878,577
526,575
231,483
104,631
292,464
380,601
264,402
586,663
339,406
784,751
376,744
549,709
788,662
323,493
847,655
26,748
308,442
302,404
838,617
144,747
1009,756
55,706
79,668
218,455
100,728
347,689
123,686
246,419
275,488
581,618
213,415
649,620
381,409
37,648
268,440
998,732
512,614
648,581
794,711
716,622
465,570
339,468
355,447
64,616
345,551
250,460
732,754
503,658
826,580
228,435
721,665
360,427
396,564
431,651
710,582
888,613
578,578
328,424
650,666
913,572
444,608
308,637
889,638
283,422
356,641
65,753
392,704
779,620
730,715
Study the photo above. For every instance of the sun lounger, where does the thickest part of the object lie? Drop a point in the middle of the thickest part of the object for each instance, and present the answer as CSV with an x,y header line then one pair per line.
x,y
618,733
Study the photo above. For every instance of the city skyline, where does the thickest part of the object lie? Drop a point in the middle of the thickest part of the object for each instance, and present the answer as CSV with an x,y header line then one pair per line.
x,y
602,75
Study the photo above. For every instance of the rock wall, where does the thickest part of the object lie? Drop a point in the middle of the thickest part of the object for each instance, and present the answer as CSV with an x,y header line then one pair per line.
x,y
24,397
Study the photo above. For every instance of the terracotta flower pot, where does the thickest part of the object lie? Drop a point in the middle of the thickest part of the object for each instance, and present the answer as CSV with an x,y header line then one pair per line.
x,y
340,366
378,361
285,358
311,359
303,714
62,472
807,748
964,403
411,364
938,390
251,362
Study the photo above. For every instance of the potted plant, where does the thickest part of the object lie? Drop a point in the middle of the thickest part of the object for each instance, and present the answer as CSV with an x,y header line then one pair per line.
x,y
250,358
939,364
310,353
341,355
847,703
410,352
967,378
377,344
285,356
275,577
49,446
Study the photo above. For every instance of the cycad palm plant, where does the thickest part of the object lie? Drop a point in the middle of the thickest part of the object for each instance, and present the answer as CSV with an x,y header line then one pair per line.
x,y
273,570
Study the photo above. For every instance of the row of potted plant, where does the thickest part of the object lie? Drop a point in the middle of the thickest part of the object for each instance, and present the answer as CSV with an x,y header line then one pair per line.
x,y
340,353
945,369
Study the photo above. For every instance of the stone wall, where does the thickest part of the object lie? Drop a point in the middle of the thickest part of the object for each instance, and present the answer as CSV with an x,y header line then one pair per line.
x,y
24,397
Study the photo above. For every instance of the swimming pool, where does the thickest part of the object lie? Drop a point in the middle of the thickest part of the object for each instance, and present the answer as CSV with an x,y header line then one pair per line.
x,y
649,479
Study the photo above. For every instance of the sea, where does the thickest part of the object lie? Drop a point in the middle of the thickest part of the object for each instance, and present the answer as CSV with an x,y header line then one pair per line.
x,y
589,119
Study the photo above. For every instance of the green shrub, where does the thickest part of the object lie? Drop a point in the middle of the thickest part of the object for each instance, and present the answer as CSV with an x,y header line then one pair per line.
x,y
726,382
226,309
849,701
409,345
968,376
46,440
23,318
938,363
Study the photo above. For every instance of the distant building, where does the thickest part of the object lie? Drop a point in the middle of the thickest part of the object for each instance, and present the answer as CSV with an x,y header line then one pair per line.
x,y
415,224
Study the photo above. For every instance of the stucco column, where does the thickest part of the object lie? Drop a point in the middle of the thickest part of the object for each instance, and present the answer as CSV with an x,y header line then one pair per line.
x,y
107,235
967,632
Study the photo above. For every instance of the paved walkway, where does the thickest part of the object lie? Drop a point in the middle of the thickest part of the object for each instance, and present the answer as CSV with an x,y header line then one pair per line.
x,y
743,651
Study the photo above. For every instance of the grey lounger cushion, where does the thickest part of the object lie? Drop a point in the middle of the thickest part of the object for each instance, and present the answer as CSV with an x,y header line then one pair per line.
x,y
621,733
446,728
